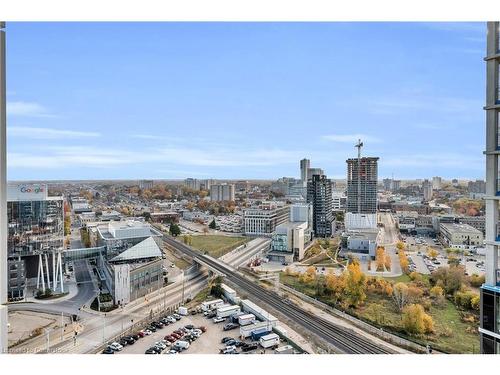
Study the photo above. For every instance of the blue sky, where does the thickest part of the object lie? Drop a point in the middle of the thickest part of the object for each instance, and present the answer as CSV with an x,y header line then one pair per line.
x,y
243,100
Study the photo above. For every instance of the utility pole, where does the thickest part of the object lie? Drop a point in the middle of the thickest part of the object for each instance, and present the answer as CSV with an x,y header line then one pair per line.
x,y
62,326
359,145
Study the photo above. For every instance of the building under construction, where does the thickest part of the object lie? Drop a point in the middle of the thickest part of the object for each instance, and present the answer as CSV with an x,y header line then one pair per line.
x,y
362,185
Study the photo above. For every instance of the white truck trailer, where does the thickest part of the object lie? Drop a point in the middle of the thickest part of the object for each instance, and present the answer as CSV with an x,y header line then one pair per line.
x,y
271,340
224,312
246,319
210,305
246,331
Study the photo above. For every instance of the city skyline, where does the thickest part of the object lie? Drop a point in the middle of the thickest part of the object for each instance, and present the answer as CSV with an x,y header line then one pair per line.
x,y
243,101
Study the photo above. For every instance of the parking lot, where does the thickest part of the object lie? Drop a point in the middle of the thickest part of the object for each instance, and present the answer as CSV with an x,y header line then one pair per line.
x,y
208,343
419,262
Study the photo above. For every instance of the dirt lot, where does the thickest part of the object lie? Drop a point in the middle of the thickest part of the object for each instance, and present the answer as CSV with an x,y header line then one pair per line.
x,y
208,343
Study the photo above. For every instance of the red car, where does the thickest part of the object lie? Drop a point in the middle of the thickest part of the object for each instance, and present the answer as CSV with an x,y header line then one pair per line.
x,y
179,332
140,334
203,329
170,338
176,335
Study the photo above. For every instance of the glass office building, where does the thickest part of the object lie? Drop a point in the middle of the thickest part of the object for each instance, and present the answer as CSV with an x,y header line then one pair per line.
x,y
35,226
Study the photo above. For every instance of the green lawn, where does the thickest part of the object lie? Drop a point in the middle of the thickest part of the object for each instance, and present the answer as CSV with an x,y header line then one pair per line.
x,y
451,333
217,245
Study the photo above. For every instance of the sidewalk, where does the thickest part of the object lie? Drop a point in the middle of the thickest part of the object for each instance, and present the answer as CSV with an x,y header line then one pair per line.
x,y
69,286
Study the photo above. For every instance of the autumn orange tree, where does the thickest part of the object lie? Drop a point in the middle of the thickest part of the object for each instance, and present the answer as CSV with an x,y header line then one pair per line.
x,y
355,285
380,259
308,276
431,252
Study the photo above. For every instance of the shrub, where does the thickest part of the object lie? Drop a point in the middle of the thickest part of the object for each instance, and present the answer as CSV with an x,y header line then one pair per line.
x,y
476,280
464,299
475,302
415,276
416,321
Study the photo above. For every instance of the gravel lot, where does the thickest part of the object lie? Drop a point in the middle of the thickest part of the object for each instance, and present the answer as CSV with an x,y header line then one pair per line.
x,y
208,343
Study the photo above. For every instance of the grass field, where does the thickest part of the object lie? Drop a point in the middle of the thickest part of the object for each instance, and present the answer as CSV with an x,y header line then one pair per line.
x,y
451,335
217,245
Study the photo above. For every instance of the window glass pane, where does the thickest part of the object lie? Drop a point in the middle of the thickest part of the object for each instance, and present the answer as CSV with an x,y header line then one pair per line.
x,y
488,318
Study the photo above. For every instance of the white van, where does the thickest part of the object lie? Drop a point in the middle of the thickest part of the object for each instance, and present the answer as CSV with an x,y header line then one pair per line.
x,y
182,345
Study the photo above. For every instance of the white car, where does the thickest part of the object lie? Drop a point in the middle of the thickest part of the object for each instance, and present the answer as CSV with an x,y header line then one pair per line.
x,y
116,346
171,319
197,331
161,345
147,332
218,319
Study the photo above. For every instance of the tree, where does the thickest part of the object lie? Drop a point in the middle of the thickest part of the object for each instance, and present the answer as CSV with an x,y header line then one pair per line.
x,y
476,280
437,294
212,224
216,290
187,239
449,278
416,321
308,276
380,259
403,261
335,286
376,311
174,230
387,262
67,224
415,294
432,253
355,285
400,295
400,245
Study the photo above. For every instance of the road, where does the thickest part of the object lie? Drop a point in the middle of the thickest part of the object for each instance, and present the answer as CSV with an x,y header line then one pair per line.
x,y
86,292
344,340
389,239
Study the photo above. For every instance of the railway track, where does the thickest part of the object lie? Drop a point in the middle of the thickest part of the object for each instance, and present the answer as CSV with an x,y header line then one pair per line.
x,y
345,340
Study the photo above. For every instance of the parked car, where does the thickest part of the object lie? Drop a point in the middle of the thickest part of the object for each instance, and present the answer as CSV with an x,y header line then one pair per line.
x,y
160,345
181,345
123,342
203,329
218,319
148,332
176,335
177,316
189,326
228,350
151,351
108,350
211,315
226,339
230,326
129,339
136,337
249,347
170,338
152,328
171,319
116,346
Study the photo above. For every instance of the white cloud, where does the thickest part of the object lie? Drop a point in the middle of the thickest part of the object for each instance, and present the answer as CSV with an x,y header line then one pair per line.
x,y
89,156
350,138
437,160
27,109
47,133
